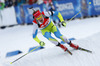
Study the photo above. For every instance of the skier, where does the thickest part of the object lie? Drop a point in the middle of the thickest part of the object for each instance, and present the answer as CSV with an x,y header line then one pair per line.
x,y
43,22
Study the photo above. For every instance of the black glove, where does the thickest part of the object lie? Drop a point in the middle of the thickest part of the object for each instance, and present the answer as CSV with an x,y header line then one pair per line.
x,y
63,23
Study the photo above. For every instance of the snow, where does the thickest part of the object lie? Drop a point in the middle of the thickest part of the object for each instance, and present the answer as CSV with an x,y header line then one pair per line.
x,y
86,32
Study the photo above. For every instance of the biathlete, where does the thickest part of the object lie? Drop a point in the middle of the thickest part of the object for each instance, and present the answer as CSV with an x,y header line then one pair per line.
x,y
43,22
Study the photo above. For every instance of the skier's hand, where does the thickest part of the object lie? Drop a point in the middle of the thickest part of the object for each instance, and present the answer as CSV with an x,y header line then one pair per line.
x,y
42,43
63,23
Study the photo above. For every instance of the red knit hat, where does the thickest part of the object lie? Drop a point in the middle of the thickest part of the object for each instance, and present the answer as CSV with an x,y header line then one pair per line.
x,y
37,13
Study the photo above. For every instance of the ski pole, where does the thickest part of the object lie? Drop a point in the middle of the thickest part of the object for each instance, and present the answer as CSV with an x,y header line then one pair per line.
x,y
77,14
74,16
24,55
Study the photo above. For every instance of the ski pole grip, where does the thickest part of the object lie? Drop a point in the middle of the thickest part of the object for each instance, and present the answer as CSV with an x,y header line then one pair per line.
x,y
30,7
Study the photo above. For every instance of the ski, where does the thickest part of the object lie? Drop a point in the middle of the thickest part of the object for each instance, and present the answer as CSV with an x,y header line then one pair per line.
x,y
84,50
69,52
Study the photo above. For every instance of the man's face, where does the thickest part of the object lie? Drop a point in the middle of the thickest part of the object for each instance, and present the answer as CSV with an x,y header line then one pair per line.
x,y
40,18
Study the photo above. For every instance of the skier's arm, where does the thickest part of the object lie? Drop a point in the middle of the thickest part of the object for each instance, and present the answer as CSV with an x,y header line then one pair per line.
x,y
54,13
58,14
35,31
61,18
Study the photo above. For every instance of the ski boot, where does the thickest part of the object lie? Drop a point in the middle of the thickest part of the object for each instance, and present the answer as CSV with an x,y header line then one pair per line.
x,y
73,45
64,48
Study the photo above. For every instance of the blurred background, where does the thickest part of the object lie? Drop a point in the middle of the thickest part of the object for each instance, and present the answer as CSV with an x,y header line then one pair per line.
x,y
17,12
16,27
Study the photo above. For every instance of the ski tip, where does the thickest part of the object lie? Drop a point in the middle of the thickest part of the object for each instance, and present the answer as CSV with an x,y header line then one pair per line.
x,y
69,52
91,52
85,50
10,62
